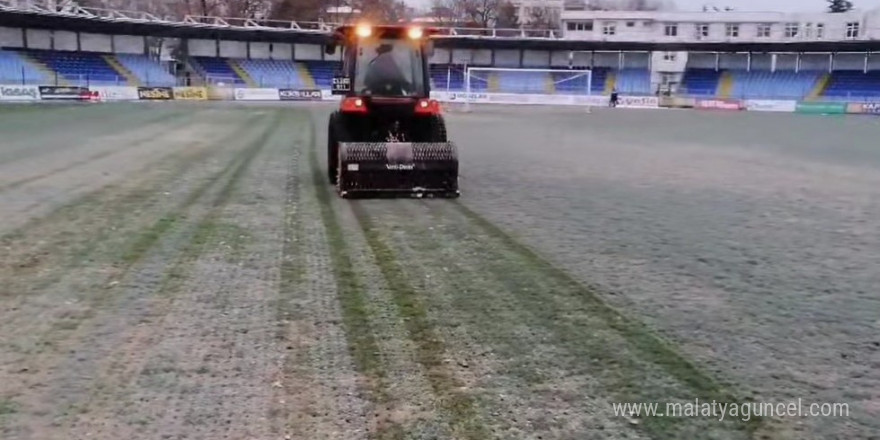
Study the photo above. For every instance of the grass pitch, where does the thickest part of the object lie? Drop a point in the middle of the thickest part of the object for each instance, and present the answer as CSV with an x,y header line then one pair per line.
x,y
185,271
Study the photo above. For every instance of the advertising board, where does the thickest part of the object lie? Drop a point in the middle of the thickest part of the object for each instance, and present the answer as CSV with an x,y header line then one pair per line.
x,y
19,93
116,93
256,95
677,102
863,108
719,104
52,93
190,93
767,105
155,93
639,102
821,108
300,94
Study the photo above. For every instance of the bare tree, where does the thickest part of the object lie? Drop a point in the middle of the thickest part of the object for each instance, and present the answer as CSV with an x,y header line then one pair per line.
x,y
543,17
508,16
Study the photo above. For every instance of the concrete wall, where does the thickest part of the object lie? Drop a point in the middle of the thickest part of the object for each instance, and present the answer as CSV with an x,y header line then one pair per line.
x,y
233,49
11,37
202,48
128,44
310,52
96,43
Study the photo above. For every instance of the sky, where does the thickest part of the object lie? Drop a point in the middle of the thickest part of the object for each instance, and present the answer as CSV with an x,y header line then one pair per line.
x,y
771,5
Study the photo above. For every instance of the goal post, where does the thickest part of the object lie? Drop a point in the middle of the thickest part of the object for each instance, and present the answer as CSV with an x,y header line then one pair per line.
x,y
527,85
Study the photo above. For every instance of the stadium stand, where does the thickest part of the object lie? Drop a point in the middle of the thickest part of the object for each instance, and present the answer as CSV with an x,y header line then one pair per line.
x,y
218,70
147,71
634,81
322,72
701,82
16,68
274,73
79,68
853,83
765,84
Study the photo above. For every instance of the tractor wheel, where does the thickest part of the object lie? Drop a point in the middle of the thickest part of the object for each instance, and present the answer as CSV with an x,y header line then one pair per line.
x,y
437,129
332,150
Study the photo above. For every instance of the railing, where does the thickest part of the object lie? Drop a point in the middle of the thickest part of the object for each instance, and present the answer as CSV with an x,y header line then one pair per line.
x,y
56,79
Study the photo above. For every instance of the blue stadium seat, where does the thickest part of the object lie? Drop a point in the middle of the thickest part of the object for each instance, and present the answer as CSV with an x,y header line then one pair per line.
x,y
16,70
218,70
853,84
322,72
701,82
634,81
80,68
273,73
757,84
147,71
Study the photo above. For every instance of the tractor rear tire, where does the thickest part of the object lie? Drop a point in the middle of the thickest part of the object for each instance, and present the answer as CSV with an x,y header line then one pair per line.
x,y
333,149
437,129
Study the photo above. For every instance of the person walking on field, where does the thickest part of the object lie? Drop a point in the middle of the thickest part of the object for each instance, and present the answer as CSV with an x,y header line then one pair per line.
x,y
613,101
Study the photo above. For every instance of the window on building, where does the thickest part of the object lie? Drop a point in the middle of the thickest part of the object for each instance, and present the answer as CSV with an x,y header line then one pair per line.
x,y
791,30
630,24
820,30
668,56
731,30
609,29
671,30
808,30
702,31
580,25
763,30
852,29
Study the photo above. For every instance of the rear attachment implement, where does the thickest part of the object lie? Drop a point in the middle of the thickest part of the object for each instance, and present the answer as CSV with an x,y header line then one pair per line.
x,y
375,169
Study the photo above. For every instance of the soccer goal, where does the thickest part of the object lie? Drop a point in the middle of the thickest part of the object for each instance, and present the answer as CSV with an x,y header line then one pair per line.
x,y
527,86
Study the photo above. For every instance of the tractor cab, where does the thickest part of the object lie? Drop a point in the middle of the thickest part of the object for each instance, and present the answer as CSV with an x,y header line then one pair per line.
x,y
382,61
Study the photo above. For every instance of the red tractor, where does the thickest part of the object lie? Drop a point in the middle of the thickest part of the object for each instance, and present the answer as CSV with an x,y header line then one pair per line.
x,y
388,136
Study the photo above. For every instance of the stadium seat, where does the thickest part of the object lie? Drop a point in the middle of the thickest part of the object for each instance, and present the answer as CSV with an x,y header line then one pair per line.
x,y
218,70
634,81
322,72
780,84
15,69
273,73
853,84
147,71
79,68
701,82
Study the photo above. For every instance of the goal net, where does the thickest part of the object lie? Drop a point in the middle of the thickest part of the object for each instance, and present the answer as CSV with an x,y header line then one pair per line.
x,y
527,86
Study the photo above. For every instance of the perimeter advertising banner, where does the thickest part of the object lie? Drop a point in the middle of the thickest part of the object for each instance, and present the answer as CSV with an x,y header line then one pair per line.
x,y
190,93
719,104
821,108
863,108
116,93
155,93
256,95
300,94
52,93
19,93
766,105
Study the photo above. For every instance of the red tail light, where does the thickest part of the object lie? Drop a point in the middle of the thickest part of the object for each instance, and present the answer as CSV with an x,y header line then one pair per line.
x,y
427,107
353,105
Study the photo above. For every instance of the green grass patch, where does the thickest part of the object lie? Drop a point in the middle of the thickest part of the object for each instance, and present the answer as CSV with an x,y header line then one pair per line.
x,y
626,371
430,348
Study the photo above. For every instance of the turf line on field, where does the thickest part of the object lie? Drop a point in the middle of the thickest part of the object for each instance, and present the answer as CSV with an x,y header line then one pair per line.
x,y
136,143
198,236
355,316
647,345
151,235
430,348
